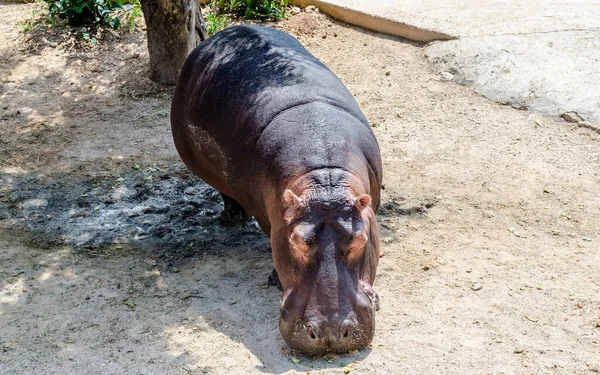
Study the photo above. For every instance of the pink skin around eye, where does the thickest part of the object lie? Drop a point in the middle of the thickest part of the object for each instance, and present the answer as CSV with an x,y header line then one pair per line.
x,y
298,244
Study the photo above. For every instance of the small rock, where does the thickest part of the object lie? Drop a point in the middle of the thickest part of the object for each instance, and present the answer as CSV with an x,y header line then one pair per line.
x,y
476,287
310,9
388,72
296,10
571,117
446,76
134,55
324,36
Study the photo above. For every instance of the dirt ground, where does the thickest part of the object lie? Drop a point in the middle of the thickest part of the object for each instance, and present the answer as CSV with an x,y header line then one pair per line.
x,y
113,261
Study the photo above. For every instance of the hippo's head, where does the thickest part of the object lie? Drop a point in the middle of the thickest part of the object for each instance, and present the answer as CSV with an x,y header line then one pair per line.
x,y
326,253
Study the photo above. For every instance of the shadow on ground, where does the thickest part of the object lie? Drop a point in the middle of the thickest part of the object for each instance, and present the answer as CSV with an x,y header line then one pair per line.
x,y
144,246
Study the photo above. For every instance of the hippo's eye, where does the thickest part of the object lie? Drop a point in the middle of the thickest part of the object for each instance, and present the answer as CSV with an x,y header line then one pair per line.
x,y
303,238
300,242
359,240
310,240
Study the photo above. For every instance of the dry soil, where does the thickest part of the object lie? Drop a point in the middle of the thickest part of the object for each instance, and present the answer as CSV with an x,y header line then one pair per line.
x,y
112,260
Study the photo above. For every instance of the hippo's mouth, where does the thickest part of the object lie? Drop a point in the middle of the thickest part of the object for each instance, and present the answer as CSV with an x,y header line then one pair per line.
x,y
306,340
323,333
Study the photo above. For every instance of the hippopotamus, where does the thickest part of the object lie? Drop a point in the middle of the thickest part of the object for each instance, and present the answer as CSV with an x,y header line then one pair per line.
x,y
270,127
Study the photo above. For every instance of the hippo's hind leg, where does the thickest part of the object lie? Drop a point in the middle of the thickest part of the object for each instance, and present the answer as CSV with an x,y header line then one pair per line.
x,y
232,213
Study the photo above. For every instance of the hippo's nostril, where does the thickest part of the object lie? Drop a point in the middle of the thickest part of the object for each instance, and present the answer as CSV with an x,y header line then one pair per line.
x,y
311,333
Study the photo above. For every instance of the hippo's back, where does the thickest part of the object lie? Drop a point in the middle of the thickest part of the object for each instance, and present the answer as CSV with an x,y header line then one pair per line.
x,y
233,86
255,73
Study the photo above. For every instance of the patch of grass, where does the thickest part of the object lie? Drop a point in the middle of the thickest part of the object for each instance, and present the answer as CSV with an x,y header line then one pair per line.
x,y
252,9
26,25
265,9
133,10
216,22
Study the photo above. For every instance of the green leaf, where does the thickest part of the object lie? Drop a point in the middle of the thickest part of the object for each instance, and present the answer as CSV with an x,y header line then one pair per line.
x,y
80,8
115,23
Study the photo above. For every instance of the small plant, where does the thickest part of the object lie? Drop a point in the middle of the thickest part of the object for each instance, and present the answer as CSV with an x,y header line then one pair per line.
x,y
253,9
27,24
231,6
216,22
86,37
270,9
86,12
134,11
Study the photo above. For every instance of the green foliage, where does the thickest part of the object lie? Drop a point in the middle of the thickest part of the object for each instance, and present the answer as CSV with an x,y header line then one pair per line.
x,y
26,25
231,6
86,37
253,9
216,22
134,12
270,9
94,13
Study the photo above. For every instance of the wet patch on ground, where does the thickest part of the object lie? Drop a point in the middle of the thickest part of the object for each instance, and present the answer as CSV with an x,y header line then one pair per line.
x,y
163,207
162,210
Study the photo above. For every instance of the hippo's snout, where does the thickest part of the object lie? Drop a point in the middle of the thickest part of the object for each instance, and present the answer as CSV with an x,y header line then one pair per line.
x,y
335,337
316,330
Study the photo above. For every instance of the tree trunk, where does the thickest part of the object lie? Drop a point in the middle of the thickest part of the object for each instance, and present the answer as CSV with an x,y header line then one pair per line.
x,y
174,28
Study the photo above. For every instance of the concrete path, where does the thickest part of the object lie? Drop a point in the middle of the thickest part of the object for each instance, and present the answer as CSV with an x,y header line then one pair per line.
x,y
539,54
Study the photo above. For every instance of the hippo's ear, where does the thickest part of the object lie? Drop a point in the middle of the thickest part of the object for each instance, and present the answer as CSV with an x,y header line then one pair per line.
x,y
292,204
362,202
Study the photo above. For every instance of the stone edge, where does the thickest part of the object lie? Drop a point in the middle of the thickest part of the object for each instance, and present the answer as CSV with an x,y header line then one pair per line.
x,y
375,23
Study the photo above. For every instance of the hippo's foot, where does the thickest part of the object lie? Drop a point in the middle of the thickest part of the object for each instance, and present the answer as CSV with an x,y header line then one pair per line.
x,y
274,280
232,213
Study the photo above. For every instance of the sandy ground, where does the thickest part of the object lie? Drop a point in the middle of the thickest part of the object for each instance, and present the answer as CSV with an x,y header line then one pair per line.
x,y
113,262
